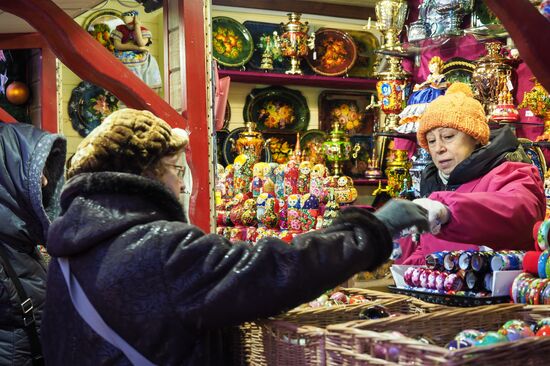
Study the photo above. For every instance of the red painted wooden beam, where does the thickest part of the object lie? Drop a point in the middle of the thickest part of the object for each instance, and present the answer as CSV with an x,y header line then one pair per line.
x,y
6,117
530,32
89,59
193,20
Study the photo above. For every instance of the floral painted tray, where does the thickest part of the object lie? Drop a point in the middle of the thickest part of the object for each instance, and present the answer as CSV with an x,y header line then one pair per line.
x,y
277,107
89,105
258,30
348,109
366,43
334,54
231,42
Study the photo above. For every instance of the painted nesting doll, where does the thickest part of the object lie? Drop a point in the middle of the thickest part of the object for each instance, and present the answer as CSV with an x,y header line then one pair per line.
x,y
271,214
248,217
283,212
310,211
294,212
236,208
243,173
345,192
260,206
257,179
270,172
316,181
229,181
332,210
279,173
291,177
304,176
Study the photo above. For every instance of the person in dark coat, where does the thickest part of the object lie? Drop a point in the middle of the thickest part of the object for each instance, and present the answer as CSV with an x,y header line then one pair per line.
x,y
164,286
31,177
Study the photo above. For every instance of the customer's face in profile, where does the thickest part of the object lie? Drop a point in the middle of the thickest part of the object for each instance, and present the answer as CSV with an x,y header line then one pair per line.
x,y
173,173
449,147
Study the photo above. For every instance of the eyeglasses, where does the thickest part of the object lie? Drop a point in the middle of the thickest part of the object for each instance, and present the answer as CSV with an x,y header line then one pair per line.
x,y
180,170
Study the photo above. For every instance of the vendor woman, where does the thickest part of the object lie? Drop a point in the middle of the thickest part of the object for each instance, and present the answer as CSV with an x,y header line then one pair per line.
x,y
475,194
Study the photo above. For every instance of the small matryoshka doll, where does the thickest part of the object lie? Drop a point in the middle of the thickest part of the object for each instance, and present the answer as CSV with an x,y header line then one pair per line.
x,y
283,212
293,212
260,205
267,170
236,208
220,184
248,217
257,179
332,210
243,173
291,177
345,192
279,173
271,214
316,180
303,177
271,172
330,183
310,211
229,181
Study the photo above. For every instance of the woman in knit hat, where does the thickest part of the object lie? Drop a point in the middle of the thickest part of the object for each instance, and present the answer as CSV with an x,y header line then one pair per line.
x,y
474,193
161,285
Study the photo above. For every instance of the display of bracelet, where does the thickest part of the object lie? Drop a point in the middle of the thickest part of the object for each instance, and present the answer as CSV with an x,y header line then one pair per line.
x,y
467,273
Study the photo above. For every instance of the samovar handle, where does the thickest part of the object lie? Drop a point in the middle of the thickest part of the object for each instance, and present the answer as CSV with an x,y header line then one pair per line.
x,y
356,149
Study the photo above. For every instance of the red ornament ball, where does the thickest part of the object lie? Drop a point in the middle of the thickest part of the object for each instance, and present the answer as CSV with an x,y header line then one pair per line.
x,y
17,93
544,331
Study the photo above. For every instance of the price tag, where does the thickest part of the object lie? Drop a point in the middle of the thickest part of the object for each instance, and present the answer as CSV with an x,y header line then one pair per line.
x,y
528,113
509,85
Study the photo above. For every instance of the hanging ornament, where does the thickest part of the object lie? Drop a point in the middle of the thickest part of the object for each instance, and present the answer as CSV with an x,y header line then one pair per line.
x,y
17,93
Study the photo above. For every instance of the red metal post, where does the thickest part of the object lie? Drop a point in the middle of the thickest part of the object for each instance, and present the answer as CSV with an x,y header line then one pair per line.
x,y
193,19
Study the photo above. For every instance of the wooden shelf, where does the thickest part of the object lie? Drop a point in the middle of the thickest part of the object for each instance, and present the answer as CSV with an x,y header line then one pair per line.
x,y
255,77
368,182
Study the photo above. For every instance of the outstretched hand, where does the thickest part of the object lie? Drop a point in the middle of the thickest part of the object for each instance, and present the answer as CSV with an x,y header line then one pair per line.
x,y
399,214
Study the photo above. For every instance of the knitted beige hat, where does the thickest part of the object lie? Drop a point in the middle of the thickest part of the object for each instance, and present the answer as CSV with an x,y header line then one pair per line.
x,y
456,109
127,141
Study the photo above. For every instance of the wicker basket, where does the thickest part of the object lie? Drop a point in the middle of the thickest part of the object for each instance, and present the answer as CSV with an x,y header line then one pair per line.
x,y
298,336
441,327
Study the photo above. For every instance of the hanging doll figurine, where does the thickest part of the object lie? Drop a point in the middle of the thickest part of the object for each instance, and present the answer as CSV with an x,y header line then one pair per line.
x,y
131,41
434,86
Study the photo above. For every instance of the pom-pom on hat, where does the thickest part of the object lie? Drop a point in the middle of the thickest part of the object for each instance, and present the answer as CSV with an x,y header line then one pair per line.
x,y
127,141
456,109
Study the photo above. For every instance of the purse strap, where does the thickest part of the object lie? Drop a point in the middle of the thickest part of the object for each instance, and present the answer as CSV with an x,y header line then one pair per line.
x,y
90,315
27,309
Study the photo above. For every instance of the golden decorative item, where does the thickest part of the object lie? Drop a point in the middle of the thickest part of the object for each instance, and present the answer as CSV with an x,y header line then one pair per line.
x,y
537,101
338,148
491,70
505,111
391,15
397,172
250,142
295,42
17,93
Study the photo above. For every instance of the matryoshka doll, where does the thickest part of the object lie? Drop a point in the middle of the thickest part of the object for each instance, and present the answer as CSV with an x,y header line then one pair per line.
x,y
304,176
279,173
294,212
345,192
243,173
236,208
310,211
291,177
283,212
316,180
257,179
220,184
270,173
229,181
271,214
260,206
332,210
248,217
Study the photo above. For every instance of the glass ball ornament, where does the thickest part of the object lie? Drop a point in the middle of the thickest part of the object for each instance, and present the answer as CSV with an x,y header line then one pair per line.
x,y
17,93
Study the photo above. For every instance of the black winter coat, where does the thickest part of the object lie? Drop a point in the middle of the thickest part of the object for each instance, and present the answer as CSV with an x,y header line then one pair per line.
x,y
169,289
25,214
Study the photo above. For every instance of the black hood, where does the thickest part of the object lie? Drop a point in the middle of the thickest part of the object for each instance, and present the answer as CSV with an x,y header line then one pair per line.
x,y
25,211
483,160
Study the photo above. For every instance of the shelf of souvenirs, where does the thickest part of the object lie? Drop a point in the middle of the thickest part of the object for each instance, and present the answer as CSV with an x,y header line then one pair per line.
x,y
271,78
413,48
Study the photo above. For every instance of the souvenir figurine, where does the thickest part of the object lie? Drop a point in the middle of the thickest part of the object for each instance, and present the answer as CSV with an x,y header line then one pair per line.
x,y
131,41
345,192
294,212
269,187
220,184
422,95
237,234
236,209
243,173
291,177
332,210
316,181
279,173
310,210
248,217
260,206
283,212
304,177
257,179
229,181
271,213
269,171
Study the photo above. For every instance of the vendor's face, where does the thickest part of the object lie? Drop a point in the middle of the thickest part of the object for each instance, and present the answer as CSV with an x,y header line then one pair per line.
x,y
433,67
173,174
449,147
128,20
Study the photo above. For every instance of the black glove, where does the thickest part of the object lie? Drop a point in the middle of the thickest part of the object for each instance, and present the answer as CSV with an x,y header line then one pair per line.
x,y
398,214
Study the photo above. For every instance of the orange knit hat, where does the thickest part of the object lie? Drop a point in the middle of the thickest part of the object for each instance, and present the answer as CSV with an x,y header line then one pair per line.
x,y
456,109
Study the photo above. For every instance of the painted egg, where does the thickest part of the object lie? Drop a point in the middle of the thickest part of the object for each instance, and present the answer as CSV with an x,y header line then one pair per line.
x,y
490,338
544,331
